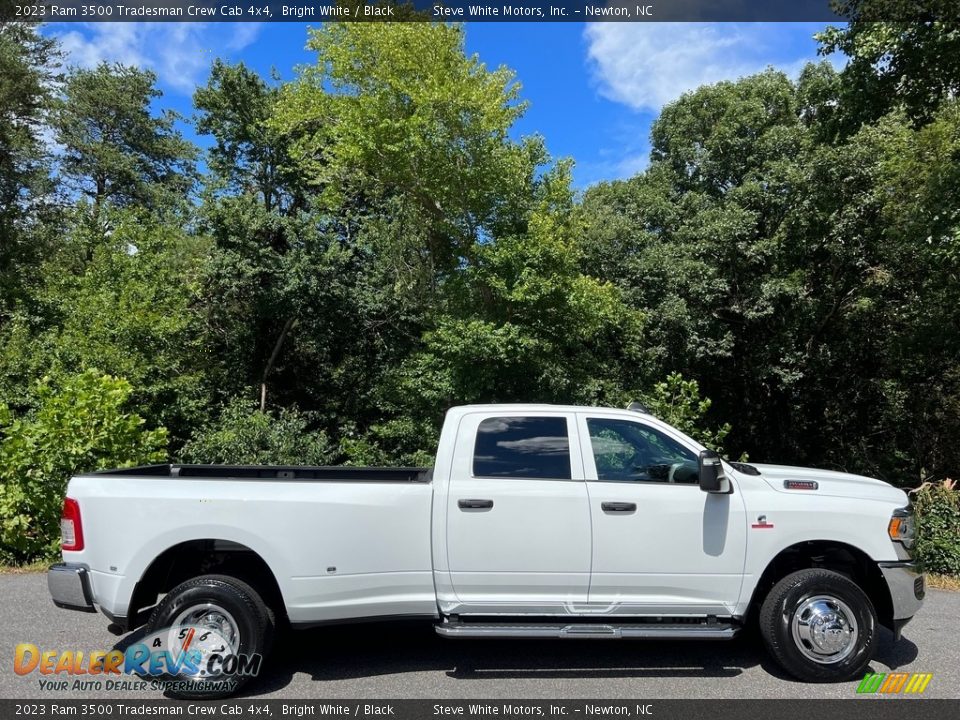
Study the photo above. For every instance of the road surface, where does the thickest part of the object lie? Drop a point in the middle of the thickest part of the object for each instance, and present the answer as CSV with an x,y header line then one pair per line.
x,y
391,661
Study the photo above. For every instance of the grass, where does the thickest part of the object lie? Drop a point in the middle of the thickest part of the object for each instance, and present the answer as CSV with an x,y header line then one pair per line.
x,y
943,582
34,567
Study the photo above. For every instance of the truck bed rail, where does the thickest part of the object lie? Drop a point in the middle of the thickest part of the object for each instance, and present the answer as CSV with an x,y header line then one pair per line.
x,y
343,473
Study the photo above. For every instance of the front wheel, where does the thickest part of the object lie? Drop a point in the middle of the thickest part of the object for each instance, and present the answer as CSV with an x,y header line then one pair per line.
x,y
819,626
216,630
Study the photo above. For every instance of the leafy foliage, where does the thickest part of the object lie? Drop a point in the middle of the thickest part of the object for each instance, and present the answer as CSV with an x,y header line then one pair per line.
x,y
399,112
243,435
795,275
372,243
28,71
123,306
911,65
77,425
115,148
937,507
678,402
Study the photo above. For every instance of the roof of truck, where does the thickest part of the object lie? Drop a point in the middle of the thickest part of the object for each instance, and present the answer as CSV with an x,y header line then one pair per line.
x,y
545,407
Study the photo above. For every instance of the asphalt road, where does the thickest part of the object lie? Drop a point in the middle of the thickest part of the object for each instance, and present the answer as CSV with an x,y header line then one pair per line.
x,y
391,661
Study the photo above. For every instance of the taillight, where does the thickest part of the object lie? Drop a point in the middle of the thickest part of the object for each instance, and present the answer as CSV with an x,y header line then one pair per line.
x,y
71,529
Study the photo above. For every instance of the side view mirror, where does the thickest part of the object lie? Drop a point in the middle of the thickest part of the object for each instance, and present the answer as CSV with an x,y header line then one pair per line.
x,y
710,470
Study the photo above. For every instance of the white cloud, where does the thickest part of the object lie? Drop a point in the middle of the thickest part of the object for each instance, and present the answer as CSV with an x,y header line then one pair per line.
x,y
646,65
243,34
179,53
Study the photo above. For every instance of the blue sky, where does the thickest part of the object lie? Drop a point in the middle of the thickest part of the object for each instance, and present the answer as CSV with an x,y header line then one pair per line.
x,y
593,88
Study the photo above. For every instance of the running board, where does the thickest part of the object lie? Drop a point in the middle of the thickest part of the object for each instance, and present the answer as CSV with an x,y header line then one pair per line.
x,y
649,631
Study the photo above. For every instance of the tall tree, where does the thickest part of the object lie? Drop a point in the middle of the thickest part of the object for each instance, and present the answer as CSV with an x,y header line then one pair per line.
x,y
909,59
400,113
116,149
807,277
250,156
28,72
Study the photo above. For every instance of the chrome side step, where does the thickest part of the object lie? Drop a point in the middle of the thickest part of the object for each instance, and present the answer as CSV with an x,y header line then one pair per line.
x,y
648,631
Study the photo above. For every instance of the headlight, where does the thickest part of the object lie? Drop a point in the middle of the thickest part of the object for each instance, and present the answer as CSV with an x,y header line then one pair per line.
x,y
901,528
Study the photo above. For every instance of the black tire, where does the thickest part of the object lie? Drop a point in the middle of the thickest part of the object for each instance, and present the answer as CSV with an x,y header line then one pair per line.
x,y
822,600
253,619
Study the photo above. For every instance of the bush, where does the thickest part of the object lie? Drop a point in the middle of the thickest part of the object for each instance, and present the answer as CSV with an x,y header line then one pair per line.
x,y
76,425
937,508
678,402
243,435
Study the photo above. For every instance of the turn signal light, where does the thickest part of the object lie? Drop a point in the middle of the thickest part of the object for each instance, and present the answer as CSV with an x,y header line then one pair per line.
x,y
893,529
900,528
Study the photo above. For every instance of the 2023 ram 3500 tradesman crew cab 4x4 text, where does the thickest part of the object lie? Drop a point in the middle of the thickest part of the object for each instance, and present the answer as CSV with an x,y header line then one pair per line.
x,y
536,521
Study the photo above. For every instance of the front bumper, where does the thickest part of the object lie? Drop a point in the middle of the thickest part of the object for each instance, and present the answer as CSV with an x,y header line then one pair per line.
x,y
907,589
69,586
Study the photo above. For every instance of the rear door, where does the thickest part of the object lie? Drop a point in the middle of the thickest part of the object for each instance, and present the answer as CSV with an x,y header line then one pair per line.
x,y
518,519
661,546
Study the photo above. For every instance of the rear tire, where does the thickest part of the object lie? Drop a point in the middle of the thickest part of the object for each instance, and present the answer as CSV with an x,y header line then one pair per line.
x,y
819,626
231,609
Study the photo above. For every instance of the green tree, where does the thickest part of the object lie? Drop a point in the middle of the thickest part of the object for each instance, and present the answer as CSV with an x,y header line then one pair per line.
x,y
698,243
287,294
250,156
909,60
28,71
399,113
254,209
678,401
114,147
805,276
520,323
77,425
127,303
245,435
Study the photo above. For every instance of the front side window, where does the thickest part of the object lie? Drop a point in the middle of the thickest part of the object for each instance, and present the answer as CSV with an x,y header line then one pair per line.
x,y
628,451
522,447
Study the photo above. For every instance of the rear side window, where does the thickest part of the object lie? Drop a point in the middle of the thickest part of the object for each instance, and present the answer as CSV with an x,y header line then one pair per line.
x,y
522,447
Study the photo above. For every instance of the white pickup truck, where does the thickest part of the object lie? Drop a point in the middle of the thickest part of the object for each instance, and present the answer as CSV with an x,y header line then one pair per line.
x,y
536,521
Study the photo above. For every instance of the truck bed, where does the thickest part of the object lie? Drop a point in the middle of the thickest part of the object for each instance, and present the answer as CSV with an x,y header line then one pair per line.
x,y
341,542
339,473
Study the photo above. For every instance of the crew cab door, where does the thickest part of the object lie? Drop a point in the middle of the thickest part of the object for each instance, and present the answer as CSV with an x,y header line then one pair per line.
x,y
517,516
661,546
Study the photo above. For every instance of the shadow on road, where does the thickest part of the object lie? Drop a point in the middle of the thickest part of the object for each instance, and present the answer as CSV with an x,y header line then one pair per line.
x,y
347,652
360,651
894,654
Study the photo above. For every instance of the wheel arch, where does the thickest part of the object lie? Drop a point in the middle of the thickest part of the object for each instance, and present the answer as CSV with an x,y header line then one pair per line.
x,y
202,556
841,557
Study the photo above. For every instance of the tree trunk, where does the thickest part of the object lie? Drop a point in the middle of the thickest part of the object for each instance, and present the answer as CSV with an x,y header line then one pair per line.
x,y
273,358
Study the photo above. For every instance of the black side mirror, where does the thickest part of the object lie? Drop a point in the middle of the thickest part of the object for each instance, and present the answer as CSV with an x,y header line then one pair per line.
x,y
710,470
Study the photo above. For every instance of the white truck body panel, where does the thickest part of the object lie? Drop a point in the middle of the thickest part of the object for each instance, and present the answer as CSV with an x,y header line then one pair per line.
x,y
375,535
351,550
531,552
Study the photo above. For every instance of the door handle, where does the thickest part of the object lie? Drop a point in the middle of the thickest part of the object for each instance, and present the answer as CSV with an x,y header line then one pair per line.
x,y
619,507
473,504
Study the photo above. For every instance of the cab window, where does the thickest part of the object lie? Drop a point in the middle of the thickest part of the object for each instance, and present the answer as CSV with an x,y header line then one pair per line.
x,y
522,447
629,451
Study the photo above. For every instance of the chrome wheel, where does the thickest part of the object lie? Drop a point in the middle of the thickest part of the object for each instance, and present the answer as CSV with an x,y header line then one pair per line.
x,y
824,629
208,629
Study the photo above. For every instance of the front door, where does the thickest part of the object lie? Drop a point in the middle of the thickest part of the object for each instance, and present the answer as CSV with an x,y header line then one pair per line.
x,y
518,522
661,546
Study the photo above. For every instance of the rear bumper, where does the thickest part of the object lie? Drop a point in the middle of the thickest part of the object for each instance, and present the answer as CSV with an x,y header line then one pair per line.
x,y
69,586
907,589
